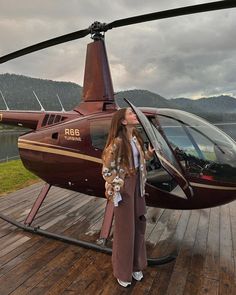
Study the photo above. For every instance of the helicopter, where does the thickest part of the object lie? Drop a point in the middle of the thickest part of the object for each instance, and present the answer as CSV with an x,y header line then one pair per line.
x,y
194,165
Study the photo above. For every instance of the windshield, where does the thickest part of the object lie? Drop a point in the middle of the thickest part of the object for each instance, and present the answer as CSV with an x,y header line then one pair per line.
x,y
203,150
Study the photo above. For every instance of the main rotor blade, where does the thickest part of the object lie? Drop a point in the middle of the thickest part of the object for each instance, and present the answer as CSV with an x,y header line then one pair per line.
x,y
120,23
45,44
172,13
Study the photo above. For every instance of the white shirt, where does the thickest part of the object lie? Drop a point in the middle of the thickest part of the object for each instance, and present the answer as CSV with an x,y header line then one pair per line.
x,y
135,152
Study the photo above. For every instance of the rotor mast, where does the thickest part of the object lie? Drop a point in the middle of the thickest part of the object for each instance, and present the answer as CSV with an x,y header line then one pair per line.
x,y
98,93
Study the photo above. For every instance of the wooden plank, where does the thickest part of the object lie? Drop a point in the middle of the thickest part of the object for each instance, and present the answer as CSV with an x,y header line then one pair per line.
x,y
209,287
153,215
11,259
46,207
19,212
183,260
22,196
168,236
162,248
163,273
158,229
31,264
20,217
7,240
26,269
212,260
67,230
14,245
88,280
71,275
10,229
232,207
40,288
17,195
26,204
38,283
196,270
226,253
31,250
79,218
48,220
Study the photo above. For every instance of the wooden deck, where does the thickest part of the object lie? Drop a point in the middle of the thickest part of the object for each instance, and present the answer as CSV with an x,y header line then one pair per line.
x,y
31,264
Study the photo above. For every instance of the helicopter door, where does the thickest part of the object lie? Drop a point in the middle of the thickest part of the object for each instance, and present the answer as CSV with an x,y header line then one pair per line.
x,y
164,154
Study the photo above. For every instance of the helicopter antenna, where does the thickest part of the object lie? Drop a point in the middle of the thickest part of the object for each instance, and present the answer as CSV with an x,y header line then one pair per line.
x,y
62,108
4,101
42,108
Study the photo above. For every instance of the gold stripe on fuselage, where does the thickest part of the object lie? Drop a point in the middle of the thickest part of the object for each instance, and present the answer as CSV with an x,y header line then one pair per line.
x,y
194,184
50,150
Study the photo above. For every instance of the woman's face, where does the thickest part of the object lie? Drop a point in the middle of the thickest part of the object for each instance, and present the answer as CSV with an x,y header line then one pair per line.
x,y
130,117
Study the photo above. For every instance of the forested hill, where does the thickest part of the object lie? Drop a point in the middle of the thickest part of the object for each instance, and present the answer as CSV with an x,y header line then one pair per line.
x,y
18,92
143,98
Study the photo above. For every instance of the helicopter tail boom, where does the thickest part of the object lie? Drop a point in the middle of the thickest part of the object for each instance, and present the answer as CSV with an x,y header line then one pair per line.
x,y
26,119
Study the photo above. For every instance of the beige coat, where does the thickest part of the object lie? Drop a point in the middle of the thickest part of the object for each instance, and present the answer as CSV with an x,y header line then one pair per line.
x,y
114,173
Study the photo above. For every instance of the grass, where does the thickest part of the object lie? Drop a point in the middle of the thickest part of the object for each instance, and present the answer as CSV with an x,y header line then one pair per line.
x,y
14,176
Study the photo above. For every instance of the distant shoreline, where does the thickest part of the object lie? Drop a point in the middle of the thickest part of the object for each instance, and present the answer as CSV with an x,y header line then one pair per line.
x,y
12,130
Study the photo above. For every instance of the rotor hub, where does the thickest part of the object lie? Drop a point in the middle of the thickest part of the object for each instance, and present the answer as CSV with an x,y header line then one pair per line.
x,y
96,30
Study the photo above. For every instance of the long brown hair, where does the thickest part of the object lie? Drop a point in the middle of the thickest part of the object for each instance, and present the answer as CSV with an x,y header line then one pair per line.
x,y
119,130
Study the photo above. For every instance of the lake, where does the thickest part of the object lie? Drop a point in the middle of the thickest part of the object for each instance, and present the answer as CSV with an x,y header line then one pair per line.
x,y
8,145
8,140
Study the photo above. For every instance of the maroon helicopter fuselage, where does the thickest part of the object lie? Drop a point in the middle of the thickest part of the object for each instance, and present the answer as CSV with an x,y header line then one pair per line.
x,y
64,148
68,154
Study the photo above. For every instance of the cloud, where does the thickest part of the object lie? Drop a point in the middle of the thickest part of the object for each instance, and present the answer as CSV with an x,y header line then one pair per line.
x,y
183,56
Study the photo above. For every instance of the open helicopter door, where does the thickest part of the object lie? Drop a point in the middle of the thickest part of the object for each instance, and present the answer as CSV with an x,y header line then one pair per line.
x,y
164,154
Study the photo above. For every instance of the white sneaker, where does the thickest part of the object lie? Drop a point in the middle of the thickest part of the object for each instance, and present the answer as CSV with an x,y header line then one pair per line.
x,y
137,275
123,284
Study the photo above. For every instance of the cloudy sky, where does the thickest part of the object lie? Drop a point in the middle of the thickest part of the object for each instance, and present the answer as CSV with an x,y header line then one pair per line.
x,y
190,56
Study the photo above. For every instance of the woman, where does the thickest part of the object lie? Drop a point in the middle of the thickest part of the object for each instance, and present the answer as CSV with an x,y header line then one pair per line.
x,y
124,171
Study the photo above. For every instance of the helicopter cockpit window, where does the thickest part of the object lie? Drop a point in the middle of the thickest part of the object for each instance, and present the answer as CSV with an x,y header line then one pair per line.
x,y
202,150
99,131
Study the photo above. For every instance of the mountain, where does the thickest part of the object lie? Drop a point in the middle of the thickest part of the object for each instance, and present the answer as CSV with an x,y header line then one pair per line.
x,y
215,104
18,92
215,109
143,98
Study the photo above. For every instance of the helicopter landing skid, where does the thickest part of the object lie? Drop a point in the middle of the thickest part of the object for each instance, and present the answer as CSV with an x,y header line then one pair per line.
x,y
88,245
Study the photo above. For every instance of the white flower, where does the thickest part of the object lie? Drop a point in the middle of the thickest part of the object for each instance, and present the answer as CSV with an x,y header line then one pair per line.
x,y
116,188
116,179
113,164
